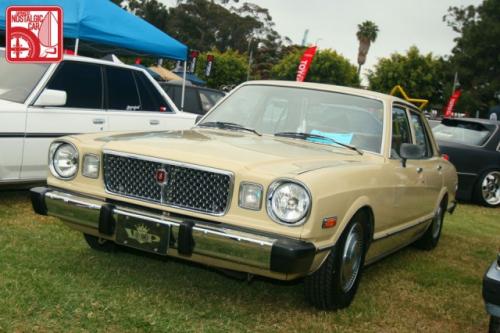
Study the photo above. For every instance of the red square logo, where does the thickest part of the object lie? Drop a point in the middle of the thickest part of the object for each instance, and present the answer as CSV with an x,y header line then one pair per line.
x,y
34,34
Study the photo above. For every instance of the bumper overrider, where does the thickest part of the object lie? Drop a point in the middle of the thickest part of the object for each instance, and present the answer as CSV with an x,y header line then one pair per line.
x,y
491,289
215,244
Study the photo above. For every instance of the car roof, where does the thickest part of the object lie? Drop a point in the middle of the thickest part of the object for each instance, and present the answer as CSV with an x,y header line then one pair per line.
x,y
333,88
93,60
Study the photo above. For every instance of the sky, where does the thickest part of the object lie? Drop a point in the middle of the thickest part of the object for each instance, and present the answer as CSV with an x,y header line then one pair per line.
x,y
333,24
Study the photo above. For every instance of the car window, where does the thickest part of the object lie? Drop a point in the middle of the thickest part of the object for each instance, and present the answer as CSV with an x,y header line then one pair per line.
x,y
400,130
82,83
191,101
346,118
122,90
462,132
209,99
151,99
421,136
22,79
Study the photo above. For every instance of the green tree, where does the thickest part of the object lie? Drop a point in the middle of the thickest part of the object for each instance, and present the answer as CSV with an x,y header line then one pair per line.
x,y
327,67
229,68
367,34
422,76
476,54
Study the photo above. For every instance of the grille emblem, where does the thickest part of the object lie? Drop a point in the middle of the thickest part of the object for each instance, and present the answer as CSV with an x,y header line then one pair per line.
x,y
161,176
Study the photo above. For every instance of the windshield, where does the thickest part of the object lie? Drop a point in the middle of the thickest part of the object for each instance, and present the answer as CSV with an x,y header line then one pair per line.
x,y
347,119
466,133
18,80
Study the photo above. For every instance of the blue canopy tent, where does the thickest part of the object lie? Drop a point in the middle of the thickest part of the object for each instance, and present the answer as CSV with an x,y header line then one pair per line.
x,y
101,21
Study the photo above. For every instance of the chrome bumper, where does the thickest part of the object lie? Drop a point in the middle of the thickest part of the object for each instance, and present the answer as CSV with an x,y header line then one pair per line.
x,y
189,238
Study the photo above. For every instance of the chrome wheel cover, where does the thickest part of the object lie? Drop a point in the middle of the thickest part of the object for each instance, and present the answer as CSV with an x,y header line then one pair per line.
x,y
490,188
438,220
351,258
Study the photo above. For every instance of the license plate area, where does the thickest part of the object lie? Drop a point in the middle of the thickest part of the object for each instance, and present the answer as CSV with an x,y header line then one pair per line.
x,y
142,235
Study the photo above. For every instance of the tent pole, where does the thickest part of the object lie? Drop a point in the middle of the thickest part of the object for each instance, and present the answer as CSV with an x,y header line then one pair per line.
x,y
183,85
76,45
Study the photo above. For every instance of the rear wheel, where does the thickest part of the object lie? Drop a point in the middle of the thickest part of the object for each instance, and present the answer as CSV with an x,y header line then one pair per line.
x,y
487,190
334,285
430,239
100,244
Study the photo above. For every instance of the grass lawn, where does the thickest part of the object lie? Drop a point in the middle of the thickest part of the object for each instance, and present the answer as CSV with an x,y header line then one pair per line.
x,y
50,281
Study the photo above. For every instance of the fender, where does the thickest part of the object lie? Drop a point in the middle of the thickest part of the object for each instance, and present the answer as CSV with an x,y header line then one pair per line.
x,y
359,203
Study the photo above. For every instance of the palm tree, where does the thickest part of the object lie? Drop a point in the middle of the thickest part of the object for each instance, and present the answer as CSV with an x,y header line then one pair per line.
x,y
367,33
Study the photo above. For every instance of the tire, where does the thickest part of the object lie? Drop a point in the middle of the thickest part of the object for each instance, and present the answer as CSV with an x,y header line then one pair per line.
x,y
494,325
334,285
487,189
430,239
100,244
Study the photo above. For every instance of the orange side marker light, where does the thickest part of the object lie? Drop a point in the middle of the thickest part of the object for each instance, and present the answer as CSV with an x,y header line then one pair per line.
x,y
329,222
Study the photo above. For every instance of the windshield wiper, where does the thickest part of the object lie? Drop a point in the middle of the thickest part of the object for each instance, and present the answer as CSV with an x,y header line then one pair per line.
x,y
304,136
228,125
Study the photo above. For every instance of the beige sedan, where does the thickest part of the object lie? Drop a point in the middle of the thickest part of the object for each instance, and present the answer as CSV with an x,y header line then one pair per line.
x,y
281,179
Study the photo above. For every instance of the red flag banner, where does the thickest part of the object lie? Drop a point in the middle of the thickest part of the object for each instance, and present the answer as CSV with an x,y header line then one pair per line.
x,y
448,112
305,63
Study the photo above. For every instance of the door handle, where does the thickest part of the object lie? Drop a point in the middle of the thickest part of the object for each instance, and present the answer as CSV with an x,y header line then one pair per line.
x,y
98,121
154,122
419,170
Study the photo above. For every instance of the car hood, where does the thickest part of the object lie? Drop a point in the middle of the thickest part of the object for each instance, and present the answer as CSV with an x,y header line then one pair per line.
x,y
230,150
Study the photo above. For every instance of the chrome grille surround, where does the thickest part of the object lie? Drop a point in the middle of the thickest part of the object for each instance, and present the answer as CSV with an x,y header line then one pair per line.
x,y
189,186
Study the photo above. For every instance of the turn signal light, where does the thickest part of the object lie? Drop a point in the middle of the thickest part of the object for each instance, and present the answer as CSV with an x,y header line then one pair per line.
x,y
445,157
329,222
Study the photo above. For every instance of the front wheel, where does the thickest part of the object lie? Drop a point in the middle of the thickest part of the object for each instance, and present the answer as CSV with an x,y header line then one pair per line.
x,y
334,284
494,324
99,244
487,191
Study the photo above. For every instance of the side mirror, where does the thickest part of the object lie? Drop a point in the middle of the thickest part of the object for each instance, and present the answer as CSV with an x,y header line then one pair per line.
x,y
51,97
409,151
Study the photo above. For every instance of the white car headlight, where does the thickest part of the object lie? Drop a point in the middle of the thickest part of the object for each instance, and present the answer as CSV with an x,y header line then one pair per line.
x,y
90,166
63,160
250,196
288,202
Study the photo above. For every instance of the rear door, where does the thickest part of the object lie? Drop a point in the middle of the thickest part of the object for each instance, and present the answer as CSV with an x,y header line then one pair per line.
x,y
83,113
135,104
430,165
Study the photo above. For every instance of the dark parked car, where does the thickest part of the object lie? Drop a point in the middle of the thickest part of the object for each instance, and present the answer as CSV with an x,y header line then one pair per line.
x,y
473,147
197,100
491,295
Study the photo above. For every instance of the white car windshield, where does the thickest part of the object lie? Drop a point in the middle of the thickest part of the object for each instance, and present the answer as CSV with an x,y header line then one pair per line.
x,y
324,117
19,79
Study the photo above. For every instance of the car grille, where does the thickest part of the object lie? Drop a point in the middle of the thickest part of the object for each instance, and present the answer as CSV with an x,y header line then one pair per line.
x,y
186,187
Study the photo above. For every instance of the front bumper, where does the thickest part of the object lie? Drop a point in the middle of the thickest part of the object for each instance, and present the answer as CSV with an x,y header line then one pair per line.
x,y
491,290
214,244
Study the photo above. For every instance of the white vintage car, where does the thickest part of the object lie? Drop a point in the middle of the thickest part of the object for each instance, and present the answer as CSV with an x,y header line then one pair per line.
x,y
39,102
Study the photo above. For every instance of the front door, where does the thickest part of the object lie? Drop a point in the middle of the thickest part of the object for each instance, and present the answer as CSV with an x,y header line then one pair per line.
x,y
83,113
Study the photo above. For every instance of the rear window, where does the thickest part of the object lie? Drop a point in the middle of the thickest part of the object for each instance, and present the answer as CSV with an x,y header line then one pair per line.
x,y
461,132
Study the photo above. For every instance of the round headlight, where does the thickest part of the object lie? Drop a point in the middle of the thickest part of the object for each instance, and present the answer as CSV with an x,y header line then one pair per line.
x,y
288,202
63,160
